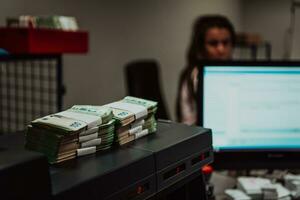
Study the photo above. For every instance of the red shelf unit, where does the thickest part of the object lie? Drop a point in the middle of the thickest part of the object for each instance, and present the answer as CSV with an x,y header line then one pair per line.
x,y
43,41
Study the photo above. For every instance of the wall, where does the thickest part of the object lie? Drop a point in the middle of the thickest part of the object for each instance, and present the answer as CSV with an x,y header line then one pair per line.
x,y
271,18
121,31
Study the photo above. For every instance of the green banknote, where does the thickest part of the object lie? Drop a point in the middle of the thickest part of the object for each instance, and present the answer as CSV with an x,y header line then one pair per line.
x,y
101,111
143,102
61,124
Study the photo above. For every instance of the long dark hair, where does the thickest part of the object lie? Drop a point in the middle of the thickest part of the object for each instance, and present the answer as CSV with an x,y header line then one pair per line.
x,y
196,52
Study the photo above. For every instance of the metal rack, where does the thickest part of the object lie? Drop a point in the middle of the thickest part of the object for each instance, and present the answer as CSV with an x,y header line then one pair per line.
x,y
30,87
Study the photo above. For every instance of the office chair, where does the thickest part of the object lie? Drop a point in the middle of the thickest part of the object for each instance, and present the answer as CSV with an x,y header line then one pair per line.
x,y
143,80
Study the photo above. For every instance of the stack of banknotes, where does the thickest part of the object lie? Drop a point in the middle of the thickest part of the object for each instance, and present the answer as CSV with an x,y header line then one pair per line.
x,y
135,118
78,131
86,129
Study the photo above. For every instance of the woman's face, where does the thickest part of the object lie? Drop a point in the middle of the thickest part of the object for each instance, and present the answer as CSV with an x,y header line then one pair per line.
x,y
218,44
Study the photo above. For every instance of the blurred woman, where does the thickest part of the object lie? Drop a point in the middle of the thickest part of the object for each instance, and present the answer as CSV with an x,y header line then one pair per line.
x,y
213,38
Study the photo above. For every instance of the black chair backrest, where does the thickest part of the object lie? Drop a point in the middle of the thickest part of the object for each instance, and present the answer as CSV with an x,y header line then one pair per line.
x,y
143,80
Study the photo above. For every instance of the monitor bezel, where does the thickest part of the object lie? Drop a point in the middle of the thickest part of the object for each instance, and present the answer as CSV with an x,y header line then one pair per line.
x,y
247,158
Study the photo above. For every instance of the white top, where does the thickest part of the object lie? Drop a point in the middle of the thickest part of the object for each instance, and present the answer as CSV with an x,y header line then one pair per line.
x,y
189,111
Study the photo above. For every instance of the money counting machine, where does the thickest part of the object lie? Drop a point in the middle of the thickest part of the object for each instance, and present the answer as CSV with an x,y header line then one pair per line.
x,y
178,151
140,170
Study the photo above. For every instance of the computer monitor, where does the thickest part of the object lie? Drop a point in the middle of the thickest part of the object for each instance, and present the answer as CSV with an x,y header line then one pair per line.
x,y
253,109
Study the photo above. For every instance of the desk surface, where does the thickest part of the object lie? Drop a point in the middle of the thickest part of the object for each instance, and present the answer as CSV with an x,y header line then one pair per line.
x,y
23,174
167,135
174,142
110,171
12,151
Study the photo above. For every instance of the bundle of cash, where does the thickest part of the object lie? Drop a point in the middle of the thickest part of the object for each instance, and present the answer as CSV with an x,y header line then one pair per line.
x,y
292,182
269,191
235,194
78,131
55,136
135,118
275,191
66,23
106,133
252,186
151,106
97,137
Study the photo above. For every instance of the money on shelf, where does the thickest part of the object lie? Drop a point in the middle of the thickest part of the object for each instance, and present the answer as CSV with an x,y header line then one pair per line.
x,y
66,23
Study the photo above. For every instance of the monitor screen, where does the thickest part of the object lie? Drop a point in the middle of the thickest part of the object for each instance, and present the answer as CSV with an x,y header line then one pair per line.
x,y
251,106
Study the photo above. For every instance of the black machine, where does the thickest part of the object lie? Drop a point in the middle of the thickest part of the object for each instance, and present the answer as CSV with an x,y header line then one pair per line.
x,y
253,109
180,152
152,167
120,174
146,168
